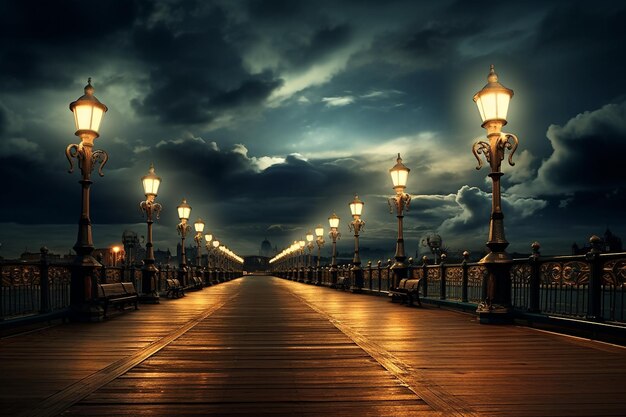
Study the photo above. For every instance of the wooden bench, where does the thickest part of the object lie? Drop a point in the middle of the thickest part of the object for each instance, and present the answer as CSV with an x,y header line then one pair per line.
x,y
119,294
174,289
407,291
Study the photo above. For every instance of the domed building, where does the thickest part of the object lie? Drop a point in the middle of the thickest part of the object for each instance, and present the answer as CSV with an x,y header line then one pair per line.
x,y
266,249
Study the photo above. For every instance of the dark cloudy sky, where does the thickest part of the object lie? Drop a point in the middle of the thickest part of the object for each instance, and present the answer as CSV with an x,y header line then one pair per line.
x,y
268,116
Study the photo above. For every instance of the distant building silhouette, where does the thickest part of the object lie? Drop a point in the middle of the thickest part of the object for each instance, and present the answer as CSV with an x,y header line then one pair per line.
x,y
36,256
266,249
133,249
162,257
190,254
611,243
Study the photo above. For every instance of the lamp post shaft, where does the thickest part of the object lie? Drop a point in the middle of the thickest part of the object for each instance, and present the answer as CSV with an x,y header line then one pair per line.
x,y
198,252
182,271
333,262
319,255
356,260
308,263
357,271
496,292
84,241
149,293
84,283
400,266
318,272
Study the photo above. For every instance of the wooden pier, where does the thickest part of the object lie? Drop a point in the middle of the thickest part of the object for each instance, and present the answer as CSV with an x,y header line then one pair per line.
x,y
264,346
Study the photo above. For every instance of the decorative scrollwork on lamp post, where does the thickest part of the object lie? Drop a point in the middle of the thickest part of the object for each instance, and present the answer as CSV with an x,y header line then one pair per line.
x,y
150,184
88,114
356,225
401,201
493,102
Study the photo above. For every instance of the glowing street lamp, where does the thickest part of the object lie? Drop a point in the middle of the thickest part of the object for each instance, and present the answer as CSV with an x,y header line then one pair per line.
x,y
151,183
184,211
334,234
199,227
116,251
493,103
88,114
399,177
356,209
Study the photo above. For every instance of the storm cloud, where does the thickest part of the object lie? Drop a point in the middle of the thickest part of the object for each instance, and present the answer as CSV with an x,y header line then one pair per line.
x,y
269,115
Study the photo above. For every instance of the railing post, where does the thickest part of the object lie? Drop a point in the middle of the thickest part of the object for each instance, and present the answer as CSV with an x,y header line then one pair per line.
x,y
380,274
44,283
465,278
369,271
425,274
594,307
442,281
157,284
535,278
103,271
390,277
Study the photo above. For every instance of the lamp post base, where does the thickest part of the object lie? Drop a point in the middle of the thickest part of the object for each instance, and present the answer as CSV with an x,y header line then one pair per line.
x,y
357,280
152,298
494,314
86,313
400,270
333,276
496,307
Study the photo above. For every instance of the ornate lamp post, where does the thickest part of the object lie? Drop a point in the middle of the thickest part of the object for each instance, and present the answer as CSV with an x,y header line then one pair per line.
x,y
399,176
151,184
301,245
319,239
334,234
224,261
216,244
356,208
184,211
199,227
309,245
208,237
88,113
493,103
293,250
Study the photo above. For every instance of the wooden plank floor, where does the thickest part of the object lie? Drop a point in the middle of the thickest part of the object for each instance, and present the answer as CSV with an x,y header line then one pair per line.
x,y
265,353
264,346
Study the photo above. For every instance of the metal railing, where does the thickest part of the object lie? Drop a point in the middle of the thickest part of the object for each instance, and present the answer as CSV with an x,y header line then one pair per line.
x,y
587,287
30,288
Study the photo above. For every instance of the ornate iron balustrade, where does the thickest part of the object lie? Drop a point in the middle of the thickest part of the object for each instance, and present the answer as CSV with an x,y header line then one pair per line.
x,y
35,287
588,287
38,287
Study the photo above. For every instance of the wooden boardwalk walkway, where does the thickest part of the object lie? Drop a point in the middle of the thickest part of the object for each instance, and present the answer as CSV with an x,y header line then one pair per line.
x,y
261,346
